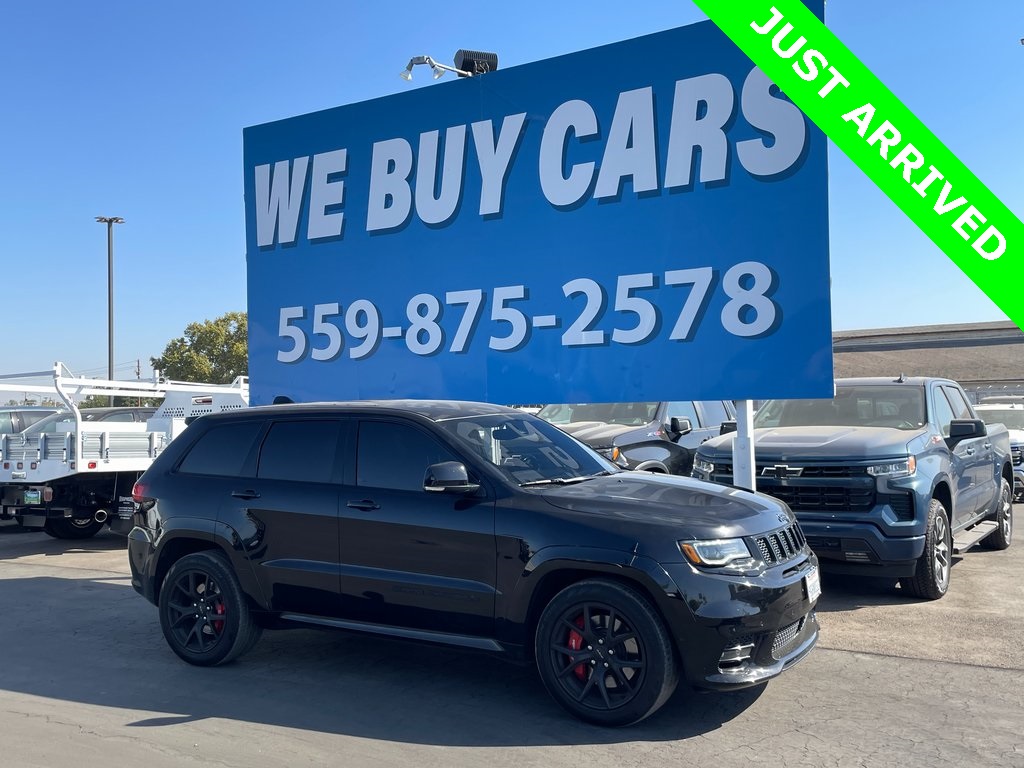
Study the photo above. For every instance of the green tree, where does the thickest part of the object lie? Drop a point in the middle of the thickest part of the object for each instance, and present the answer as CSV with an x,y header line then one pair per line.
x,y
213,351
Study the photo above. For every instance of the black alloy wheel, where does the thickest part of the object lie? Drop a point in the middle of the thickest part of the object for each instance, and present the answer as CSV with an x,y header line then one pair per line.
x,y
604,654
203,613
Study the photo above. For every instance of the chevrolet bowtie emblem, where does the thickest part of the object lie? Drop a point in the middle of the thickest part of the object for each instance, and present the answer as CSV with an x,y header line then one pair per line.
x,y
781,471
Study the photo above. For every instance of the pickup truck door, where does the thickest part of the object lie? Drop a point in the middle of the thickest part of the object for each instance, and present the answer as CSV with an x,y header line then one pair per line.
x,y
701,429
969,462
984,471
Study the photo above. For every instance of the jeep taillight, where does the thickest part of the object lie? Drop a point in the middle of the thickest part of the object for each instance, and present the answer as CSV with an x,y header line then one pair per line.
x,y
139,491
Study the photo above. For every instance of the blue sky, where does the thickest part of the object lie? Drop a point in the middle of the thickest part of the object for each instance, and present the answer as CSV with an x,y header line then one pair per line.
x,y
136,110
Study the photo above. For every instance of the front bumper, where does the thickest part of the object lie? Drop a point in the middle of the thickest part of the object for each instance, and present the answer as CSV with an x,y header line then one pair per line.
x,y
860,548
743,631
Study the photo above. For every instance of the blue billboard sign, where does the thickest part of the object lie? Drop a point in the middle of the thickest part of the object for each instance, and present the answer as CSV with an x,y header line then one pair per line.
x,y
641,221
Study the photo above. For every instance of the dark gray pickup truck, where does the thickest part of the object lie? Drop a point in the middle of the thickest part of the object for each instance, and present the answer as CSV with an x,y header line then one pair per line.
x,y
890,478
653,437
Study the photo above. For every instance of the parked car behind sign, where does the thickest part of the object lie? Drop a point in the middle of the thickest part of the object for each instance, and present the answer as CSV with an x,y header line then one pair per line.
x,y
1012,415
14,419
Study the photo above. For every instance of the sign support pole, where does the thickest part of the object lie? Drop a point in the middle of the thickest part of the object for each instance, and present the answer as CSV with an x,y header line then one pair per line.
x,y
743,466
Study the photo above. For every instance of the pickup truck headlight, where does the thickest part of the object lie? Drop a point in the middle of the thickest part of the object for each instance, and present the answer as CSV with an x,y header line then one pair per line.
x,y
700,464
717,553
899,468
614,455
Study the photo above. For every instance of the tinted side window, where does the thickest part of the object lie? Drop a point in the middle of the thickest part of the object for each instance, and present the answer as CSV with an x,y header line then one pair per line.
x,y
222,450
960,409
123,416
714,412
28,418
943,411
396,456
6,423
300,450
682,410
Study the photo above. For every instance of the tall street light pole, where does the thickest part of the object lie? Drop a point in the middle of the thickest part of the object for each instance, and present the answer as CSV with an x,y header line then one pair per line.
x,y
110,221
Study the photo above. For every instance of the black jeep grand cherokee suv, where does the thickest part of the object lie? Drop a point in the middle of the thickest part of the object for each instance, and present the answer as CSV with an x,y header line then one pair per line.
x,y
472,525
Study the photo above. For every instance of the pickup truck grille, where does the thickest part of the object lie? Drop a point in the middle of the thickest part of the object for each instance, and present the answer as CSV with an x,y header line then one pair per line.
x,y
837,471
782,545
816,497
800,491
1017,452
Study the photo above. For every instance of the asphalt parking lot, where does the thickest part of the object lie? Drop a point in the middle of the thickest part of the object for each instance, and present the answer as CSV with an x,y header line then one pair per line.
x,y
87,680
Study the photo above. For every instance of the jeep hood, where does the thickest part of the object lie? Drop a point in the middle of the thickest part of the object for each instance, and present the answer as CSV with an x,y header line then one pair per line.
x,y
688,507
831,443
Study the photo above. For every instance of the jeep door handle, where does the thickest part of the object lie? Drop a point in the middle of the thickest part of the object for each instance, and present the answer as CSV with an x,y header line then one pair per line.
x,y
969,451
247,494
366,505
987,446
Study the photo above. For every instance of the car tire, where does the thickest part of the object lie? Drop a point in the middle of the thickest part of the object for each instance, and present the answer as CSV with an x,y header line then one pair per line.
x,y
72,528
931,577
204,614
1002,536
603,653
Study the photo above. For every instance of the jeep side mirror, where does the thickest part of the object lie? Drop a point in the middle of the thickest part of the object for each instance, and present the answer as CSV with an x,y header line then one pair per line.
x,y
448,477
726,427
679,426
965,429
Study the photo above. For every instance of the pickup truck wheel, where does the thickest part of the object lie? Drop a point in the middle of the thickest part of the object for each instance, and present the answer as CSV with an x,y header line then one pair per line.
x,y
931,579
72,528
1001,537
203,612
604,654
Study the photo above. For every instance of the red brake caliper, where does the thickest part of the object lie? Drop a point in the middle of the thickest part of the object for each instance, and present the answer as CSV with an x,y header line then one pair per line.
x,y
575,643
219,610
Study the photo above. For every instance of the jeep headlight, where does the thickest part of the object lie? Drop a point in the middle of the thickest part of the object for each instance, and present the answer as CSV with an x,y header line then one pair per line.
x,y
700,464
717,553
904,467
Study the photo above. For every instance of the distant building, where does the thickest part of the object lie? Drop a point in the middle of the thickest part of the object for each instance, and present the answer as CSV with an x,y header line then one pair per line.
x,y
985,358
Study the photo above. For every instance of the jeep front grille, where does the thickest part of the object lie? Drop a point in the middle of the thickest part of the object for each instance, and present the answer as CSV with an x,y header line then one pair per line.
x,y
786,637
782,545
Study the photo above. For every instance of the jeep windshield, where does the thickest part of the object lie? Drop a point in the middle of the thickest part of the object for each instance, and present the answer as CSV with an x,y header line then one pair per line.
x,y
627,414
897,407
528,451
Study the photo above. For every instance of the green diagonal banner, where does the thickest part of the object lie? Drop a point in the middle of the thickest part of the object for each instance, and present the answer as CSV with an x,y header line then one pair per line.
x,y
895,149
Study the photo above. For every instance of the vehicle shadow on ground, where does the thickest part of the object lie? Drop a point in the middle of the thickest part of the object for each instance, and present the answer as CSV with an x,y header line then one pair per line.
x,y
21,542
850,593
97,642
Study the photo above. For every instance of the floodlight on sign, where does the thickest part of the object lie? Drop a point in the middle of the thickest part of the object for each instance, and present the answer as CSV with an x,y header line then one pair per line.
x,y
478,62
475,62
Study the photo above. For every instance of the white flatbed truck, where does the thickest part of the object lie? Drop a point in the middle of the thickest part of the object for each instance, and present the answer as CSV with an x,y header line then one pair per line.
x,y
72,482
